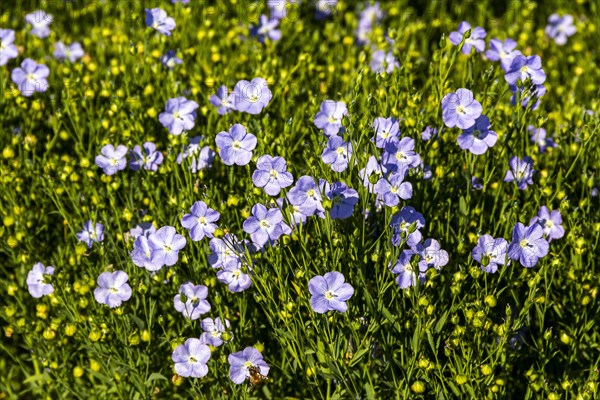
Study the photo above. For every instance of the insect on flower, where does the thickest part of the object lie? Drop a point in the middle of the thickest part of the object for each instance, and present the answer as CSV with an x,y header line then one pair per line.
x,y
256,378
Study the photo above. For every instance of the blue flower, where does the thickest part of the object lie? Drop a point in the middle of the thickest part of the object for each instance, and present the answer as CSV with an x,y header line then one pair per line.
x,y
37,283
165,245
371,173
406,269
393,188
551,223
112,160
460,109
271,174
112,288
191,300
266,28
31,77
560,28
428,133
213,330
337,154
264,225
8,50
325,8
529,93
148,159
386,130
329,292
383,62
142,253
504,52
538,136
232,275
306,196
478,138
235,146
190,359
39,21
91,233
170,59
199,157
523,67
490,252
475,40
528,245
432,255
342,197
179,115
329,117
201,221
252,97
158,20
225,102
226,250
241,363
73,52
400,154
521,172
405,227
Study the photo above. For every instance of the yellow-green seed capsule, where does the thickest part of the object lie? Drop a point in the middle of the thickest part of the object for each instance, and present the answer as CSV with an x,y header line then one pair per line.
x,y
95,335
94,365
70,329
78,372
9,311
418,387
177,380
461,379
49,334
146,336
490,301
486,369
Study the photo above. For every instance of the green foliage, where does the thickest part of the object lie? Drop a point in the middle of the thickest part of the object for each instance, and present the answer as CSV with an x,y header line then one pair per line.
x,y
463,333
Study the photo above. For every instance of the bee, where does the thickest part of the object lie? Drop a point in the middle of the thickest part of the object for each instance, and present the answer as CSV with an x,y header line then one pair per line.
x,y
256,378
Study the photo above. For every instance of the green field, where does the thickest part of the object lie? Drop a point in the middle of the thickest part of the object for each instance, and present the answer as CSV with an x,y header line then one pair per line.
x,y
431,307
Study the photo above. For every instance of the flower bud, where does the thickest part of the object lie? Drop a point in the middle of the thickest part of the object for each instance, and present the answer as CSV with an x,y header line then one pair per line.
x,y
486,369
70,329
226,336
95,335
145,336
490,301
418,387
49,334
78,372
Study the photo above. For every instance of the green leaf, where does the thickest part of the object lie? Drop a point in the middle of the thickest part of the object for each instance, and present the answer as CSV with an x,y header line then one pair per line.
x,y
358,355
155,376
369,391
441,322
462,206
